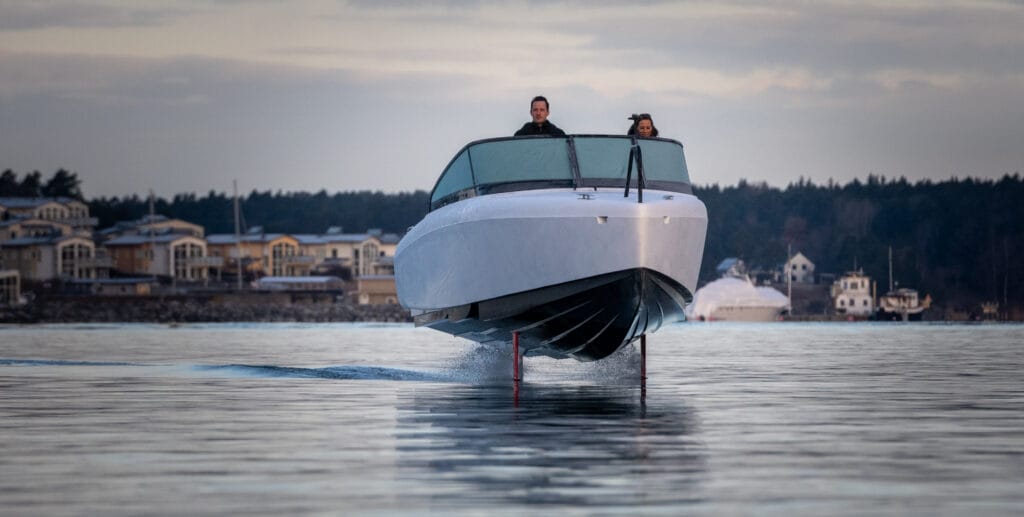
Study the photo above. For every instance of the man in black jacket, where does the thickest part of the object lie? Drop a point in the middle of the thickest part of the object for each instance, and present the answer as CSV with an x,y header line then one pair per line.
x,y
540,124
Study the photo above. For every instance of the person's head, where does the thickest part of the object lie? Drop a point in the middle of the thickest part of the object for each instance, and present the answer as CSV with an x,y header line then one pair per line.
x,y
539,109
643,126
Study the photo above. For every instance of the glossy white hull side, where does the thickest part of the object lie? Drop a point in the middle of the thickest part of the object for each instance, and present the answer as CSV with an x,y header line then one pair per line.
x,y
496,245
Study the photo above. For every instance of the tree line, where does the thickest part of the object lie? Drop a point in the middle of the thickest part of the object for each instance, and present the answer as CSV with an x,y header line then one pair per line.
x,y
62,184
959,240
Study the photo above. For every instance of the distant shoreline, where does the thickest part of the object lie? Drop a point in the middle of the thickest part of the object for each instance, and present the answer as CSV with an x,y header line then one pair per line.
x,y
210,308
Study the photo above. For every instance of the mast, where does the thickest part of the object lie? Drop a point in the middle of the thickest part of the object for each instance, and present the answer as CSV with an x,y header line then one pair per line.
x,y
238,237
789,277
152,237
890,269
1006,279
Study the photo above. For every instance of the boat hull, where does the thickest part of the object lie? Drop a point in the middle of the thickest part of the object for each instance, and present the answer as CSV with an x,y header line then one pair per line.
x,y
914,314
487,266
587,319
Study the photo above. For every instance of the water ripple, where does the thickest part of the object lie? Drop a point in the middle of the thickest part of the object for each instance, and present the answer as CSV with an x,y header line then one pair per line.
x,y
48,362
332,372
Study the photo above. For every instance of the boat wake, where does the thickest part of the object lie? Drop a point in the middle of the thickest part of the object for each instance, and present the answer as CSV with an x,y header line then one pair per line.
x,y
481,365
330,372
486,365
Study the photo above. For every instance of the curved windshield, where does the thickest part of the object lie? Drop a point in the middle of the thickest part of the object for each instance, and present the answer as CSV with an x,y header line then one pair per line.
x,y
604,158
534,159
575,161
663,161
457,177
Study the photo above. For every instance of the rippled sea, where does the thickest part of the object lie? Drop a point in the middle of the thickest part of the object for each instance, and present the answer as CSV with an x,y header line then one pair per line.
x,y
274,419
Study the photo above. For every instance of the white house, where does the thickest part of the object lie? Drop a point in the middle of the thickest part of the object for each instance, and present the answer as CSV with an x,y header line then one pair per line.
x,y
800,269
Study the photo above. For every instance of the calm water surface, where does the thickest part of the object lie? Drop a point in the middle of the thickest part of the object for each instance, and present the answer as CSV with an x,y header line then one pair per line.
x,y
785,419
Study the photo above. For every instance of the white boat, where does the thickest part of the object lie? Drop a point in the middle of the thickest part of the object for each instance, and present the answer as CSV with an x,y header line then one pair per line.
x,y
736,298
551,238
902,304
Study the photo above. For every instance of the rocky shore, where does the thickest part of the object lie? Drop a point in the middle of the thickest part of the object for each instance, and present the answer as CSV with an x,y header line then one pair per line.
x,y
195,309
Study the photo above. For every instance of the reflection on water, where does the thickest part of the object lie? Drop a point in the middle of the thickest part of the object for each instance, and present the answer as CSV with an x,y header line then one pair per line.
x,y
581,445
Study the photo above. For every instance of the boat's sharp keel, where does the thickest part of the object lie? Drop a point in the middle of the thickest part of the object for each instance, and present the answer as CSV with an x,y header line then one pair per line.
x,y
588,319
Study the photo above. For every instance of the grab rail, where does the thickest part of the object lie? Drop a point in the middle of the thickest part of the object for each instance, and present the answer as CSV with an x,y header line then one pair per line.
x,y
635,153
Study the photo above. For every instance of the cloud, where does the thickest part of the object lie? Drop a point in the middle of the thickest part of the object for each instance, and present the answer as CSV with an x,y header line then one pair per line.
x,y
715,49
16,15
312,95
192,124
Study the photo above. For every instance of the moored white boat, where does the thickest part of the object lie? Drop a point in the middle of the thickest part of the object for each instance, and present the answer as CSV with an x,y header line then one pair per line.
x,y
902,304
542,237
733,298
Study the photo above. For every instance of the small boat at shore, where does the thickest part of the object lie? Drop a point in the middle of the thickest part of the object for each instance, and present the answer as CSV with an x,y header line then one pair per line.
x,y
902,304
736,298
578,245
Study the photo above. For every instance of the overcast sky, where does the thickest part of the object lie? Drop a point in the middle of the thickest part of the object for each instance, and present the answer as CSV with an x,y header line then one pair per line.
x,y
184,96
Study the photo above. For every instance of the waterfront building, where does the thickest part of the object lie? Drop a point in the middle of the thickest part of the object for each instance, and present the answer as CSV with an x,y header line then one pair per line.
x,y
370,253
363,251
800,269
260,253
171,255
52,257
63,210
48,239
33,227
376,290
10,287
852,295
155,224
156,245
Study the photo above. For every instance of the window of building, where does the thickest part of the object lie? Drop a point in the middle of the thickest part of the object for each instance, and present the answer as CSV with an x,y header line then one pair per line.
x,y
278,253
71,258
369,250
182,265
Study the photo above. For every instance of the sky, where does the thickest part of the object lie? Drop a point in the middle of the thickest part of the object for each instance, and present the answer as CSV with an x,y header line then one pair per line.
x,y
190,95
